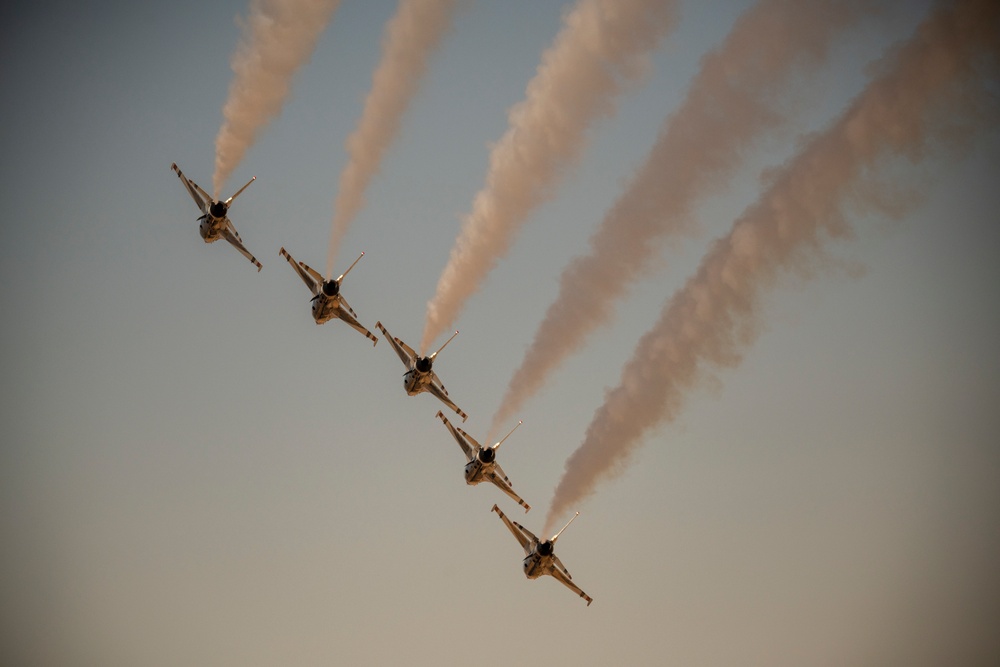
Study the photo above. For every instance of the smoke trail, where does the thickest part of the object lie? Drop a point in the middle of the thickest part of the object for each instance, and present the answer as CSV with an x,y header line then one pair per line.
x,y
278,37
932,89
410,38
729,103
602,47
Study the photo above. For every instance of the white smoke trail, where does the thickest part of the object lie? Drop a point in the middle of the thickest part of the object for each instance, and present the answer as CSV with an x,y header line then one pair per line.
x,y
730,102
278,37
933,89
411,36
602,47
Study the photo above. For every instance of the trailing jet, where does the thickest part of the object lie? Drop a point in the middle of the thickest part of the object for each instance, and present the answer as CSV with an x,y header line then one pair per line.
x,y
539,557
327,301
420,375
215,222
482,461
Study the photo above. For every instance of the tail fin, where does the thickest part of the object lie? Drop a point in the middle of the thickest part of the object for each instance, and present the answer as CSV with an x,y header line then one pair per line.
x,y
230,200
556,536
433,356
349,268
497,446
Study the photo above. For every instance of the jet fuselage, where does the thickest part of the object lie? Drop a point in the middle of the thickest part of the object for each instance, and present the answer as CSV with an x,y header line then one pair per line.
x,y
538,563
210,230
213,222
324,308
479,467
415,381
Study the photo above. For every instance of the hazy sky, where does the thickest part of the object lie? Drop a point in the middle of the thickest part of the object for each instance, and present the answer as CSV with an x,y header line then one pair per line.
x,y
192,472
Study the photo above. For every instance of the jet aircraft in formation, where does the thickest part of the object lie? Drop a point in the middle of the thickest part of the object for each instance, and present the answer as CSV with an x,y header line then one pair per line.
x,y
420,375
482,463
540,558
215,222
327,301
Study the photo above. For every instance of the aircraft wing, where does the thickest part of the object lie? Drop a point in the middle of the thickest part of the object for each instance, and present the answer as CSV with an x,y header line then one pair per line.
x,y
565,581
344,312
229,233
232,230
498,471
438,390
312,272
501,483
559,564
403,351
306,278
461,437
436,381
347,306
518,531
190,187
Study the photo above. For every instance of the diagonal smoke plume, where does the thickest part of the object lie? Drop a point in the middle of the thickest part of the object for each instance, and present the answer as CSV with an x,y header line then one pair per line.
x,y
410,38
602,47
730,102
278,37
932,89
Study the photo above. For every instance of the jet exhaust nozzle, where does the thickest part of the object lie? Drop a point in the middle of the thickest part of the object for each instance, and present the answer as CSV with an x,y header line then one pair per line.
x,y
487,455
424,364
218,209
331,288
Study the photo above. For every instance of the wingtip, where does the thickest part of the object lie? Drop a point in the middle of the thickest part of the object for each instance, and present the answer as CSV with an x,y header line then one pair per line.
x,y
495,508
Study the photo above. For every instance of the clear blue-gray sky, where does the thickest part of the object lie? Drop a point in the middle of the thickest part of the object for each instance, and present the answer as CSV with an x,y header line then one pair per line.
x,y
192,472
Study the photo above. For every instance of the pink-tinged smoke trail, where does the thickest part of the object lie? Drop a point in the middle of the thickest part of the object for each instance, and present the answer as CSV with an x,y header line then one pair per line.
x,y
603,46
937,87
278,38
732,101
410,38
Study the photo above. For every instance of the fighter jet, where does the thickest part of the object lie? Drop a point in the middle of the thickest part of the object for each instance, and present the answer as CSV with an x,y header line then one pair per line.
x,y
539,557
215,223
482,461
327,301
419,375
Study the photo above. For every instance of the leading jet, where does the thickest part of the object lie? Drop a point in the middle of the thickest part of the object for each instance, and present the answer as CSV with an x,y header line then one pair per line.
x,y
327,301
215,222
482,463
420,375
540,558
